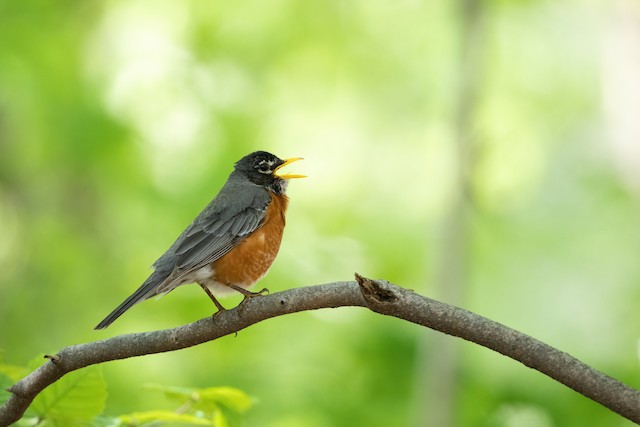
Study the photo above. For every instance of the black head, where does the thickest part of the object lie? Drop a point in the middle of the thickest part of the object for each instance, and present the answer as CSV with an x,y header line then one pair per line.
x,y
262,168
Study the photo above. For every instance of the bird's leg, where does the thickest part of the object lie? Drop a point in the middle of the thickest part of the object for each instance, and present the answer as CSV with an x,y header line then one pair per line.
x,y
215,301
248,294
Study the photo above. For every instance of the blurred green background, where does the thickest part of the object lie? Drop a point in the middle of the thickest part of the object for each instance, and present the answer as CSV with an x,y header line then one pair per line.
x,y
483,153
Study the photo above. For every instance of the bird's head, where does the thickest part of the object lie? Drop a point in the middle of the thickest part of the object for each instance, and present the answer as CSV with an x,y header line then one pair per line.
x,y
265,169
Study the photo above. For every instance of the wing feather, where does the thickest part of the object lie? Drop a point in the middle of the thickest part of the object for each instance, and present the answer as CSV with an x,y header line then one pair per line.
x,y
238,210
220,228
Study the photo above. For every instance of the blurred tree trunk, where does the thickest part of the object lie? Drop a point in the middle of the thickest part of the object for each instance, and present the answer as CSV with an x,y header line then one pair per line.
x,y
621,88
441,369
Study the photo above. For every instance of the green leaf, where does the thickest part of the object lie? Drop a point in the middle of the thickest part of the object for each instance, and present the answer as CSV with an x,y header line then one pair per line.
x,y
138,418
27,422
209,400
105,421
223,405
232,398
180,395
76,397
221,420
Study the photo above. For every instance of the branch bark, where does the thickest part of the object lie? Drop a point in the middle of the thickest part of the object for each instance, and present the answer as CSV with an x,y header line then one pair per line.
x,y
379,296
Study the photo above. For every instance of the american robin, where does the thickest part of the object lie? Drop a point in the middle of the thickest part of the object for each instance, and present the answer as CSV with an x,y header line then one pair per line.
x,y
232,242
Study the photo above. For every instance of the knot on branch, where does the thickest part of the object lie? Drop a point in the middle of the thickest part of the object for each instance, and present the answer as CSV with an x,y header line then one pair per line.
x,y
54,358
375,291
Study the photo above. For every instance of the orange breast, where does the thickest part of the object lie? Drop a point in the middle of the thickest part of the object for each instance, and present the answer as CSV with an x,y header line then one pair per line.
x,y
250,260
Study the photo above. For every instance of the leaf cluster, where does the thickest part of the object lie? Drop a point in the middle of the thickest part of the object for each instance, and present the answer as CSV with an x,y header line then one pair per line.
x,y
79,398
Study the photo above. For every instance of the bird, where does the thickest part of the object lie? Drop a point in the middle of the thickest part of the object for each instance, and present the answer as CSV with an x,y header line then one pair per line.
x,y
232,243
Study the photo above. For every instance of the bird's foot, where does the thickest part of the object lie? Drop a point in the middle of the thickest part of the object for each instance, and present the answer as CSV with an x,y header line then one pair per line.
x,y
215,301
248,294
263,291
221,310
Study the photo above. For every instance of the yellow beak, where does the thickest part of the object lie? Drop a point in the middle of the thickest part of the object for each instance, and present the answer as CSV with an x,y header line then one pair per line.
x,y
288,175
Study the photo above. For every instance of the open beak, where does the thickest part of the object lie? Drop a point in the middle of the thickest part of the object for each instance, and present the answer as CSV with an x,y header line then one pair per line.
x,y
288,175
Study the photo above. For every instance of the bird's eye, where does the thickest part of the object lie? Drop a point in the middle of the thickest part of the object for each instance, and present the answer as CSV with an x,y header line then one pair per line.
x,y
264,167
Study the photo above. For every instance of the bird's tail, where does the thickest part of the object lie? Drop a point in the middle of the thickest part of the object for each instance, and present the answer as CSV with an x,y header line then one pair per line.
x,y
147,290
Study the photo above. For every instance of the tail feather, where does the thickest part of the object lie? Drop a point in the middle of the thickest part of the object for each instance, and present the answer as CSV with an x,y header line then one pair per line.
x,y
147,290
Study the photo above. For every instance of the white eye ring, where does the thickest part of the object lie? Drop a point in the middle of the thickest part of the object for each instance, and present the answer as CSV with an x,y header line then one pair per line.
x,y
265,167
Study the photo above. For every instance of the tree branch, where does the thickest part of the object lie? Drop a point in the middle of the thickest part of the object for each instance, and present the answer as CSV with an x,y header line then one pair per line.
x,y
379,296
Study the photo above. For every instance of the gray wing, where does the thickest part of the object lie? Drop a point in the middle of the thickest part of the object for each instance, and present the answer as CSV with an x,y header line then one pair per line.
x,y
217,230
221,226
